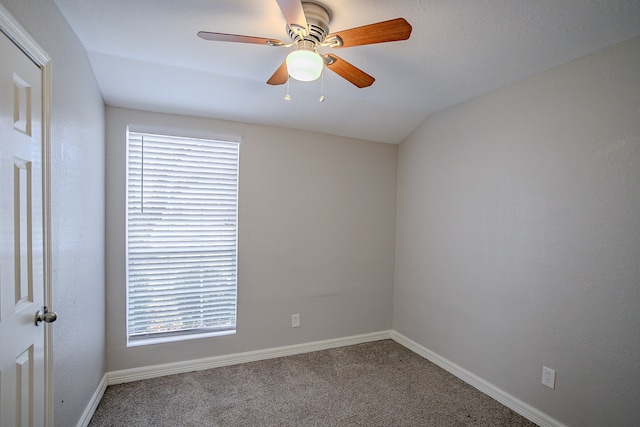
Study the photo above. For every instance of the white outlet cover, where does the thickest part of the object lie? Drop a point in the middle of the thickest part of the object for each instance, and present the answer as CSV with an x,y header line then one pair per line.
x,y
549,377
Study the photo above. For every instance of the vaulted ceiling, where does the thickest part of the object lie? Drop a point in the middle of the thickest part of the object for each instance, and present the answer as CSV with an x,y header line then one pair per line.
x,y
146,55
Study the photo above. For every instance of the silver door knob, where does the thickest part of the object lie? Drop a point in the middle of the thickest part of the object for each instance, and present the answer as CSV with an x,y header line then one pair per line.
x,y
46,316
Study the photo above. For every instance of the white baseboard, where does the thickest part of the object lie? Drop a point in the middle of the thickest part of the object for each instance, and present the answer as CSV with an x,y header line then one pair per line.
x,y
484,386
93,403
135,374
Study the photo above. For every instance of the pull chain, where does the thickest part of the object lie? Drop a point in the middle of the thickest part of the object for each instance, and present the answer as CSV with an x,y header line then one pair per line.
x,y
287,97
322,85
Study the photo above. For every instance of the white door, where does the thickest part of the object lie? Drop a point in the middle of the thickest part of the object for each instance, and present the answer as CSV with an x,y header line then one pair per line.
x,y
22,249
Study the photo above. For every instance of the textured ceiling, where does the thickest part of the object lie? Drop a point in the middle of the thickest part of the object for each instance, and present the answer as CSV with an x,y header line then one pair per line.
x,y
145,55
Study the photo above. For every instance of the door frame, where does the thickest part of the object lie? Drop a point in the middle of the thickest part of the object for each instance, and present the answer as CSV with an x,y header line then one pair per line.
x,y
12,29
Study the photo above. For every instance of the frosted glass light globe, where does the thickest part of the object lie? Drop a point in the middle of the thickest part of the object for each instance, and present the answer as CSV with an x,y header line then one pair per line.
x,y
304,65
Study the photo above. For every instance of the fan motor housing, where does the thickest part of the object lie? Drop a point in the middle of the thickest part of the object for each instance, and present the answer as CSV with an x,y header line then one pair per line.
x,y
318,18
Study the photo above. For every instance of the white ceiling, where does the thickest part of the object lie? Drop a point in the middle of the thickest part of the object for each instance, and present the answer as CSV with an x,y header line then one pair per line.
x,y
145,55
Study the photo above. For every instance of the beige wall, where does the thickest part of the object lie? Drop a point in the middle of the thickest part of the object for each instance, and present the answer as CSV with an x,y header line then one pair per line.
x,y
316,237
77,198
518,238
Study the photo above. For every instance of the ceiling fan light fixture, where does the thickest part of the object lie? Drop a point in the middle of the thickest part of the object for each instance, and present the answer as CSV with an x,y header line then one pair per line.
x,y
305,63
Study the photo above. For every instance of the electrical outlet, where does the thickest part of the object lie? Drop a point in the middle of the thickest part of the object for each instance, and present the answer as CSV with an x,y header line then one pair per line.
x,y
549,377
295,320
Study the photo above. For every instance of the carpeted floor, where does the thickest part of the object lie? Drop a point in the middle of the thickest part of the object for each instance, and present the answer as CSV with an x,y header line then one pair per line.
x,y
373,384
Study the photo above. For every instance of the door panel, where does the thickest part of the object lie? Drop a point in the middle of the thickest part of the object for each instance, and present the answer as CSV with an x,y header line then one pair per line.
x,y
24,387
22,376
22,229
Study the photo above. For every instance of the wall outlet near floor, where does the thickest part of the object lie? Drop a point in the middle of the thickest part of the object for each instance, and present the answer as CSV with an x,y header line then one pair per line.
x,y
295,320
549,377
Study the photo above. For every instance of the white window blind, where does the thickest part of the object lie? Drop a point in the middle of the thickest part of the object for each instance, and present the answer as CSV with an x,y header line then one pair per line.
x,y
182,204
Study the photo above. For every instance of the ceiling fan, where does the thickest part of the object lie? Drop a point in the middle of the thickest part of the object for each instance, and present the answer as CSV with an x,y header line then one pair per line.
x,y
308,28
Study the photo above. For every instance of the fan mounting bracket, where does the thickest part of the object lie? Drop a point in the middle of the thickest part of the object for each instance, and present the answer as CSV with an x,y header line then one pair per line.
x,y
333,41
318,18
328,59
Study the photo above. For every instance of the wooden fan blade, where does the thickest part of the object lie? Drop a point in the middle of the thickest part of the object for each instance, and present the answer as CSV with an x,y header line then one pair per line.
x,y
293,12
222,37
349,72
281,75
381,32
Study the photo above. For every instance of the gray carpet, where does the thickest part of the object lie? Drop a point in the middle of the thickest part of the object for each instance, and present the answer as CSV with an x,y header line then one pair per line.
x,y
373,384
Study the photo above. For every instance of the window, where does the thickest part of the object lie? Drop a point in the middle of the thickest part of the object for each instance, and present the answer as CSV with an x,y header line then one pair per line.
x,y
182,209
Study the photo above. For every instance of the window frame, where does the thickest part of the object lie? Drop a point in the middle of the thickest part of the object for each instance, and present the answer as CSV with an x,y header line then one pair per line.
x,y
188,334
